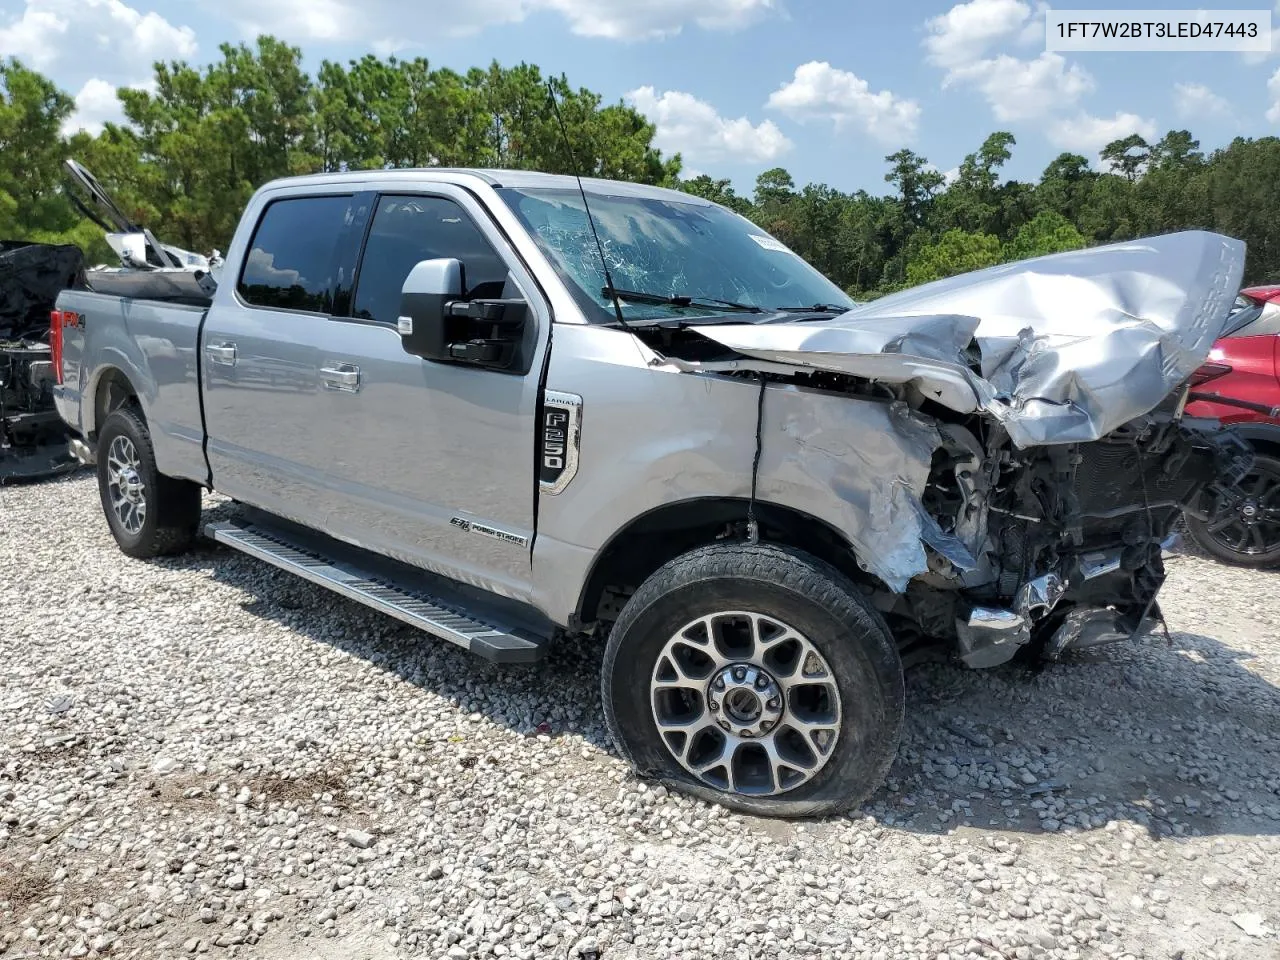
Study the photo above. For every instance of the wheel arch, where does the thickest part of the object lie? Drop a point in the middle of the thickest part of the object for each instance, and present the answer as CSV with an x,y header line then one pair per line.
x,y
658,536
111,389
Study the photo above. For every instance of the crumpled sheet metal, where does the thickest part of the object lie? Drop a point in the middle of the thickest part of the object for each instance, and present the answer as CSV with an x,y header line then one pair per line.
x,y
875,457
1070,346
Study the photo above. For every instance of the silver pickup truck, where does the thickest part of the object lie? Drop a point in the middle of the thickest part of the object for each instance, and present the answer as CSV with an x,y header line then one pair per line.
x,y
499,412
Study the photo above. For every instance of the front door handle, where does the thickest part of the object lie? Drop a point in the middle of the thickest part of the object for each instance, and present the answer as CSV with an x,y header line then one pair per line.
x,y
342,376
223,354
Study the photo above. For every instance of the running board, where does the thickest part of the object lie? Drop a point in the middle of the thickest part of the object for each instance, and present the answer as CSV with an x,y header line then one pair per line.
x,y
414,607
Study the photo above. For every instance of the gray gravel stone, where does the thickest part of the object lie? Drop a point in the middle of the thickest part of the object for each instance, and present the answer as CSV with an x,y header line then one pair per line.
x,y
506,827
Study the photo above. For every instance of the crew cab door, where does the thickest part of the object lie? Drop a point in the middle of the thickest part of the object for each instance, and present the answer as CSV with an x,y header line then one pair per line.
x,y
259,353
431,463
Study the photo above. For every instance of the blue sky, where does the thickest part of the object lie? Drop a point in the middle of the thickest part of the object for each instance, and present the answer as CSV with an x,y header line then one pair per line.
x,y
825,88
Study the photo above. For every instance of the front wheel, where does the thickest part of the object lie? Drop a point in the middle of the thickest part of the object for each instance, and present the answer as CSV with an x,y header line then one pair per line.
x,y
756,677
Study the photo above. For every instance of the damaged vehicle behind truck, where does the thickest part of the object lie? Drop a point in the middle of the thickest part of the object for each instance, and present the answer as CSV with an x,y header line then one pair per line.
x,y
33,438
483,405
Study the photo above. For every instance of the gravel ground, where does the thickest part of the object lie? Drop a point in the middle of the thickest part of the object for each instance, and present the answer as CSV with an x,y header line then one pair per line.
x,y
206,756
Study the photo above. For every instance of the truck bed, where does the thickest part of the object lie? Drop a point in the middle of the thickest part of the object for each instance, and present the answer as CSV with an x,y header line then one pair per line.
x,y
156,346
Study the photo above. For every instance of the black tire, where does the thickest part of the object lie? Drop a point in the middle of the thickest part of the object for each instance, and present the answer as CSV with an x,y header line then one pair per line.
x,y
171,515
1243,544
803,593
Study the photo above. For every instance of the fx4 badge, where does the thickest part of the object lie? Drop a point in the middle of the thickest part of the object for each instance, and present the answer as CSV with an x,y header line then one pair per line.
x,y
561,435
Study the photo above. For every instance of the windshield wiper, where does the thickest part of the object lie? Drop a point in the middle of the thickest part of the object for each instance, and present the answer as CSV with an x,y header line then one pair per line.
x,y
815,308
639,296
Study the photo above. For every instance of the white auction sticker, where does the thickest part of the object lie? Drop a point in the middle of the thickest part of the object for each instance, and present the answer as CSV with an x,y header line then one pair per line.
x,y
769,243
1170,31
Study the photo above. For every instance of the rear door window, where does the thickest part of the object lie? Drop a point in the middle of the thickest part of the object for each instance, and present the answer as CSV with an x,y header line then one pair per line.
x,y
408,229
292,262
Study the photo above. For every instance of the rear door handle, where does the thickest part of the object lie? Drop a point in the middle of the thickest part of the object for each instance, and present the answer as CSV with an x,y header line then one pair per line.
x,y
342,376
223,354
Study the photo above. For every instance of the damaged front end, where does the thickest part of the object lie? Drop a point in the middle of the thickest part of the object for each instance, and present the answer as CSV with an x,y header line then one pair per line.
x,y
1069,539
1051,392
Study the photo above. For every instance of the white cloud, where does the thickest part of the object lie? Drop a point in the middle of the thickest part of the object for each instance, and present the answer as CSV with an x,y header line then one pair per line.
x,y
1259,56
821,91
647,19
694,128
969,42
96,104
948,176
1195,101
963,39
301,20
105,36
968,31
1024,89
1273,88
1087,134
384,23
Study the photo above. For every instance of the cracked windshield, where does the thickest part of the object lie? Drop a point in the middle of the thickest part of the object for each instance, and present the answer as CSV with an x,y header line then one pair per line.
x,y
658,249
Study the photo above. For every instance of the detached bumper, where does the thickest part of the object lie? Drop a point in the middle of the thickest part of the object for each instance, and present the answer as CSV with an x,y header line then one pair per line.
x,y
1093,628
993,635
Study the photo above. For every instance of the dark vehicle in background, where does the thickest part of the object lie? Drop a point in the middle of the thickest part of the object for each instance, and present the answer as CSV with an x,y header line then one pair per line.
x,y
33,438
1241,384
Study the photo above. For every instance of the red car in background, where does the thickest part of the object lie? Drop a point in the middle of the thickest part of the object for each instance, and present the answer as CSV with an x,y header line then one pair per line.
x,y
1244,368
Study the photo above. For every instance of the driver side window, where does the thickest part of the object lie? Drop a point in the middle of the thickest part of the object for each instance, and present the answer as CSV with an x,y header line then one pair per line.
x,y
408,229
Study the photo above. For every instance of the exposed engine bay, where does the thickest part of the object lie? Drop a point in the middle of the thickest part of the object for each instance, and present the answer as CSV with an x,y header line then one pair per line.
x,y
1067,541
1043,458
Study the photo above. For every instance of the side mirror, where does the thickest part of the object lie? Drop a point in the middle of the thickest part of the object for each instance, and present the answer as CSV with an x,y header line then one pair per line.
x,y
438,323
430,285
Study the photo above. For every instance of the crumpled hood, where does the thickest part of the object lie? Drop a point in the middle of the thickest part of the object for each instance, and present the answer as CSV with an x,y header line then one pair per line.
x,y
1068,346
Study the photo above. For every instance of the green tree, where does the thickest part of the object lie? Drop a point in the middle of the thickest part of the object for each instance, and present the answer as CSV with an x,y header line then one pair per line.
x,y
1127,155
916,182
1244,194
717,191
1177,150
1048,232
954,252
212,137
774,196
32,111
977,202
193,150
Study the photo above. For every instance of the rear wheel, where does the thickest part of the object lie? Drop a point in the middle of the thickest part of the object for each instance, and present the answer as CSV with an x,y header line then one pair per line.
x,y
149,514
756,677
1246,530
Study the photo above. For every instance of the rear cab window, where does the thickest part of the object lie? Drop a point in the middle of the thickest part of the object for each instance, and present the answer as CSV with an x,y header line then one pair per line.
x,y
292,261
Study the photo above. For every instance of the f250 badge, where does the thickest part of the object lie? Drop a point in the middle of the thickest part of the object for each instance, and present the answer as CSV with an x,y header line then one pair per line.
x,y
561,436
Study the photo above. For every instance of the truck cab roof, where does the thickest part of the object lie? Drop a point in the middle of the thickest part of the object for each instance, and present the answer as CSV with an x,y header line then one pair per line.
x,y
517,179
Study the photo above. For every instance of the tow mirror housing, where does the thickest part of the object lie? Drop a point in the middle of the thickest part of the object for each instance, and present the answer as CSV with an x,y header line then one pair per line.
x,y
438,323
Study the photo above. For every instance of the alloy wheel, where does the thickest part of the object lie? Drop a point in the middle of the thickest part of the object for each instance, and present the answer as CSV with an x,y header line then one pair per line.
x,y
125,486
746,703
1248,524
